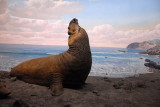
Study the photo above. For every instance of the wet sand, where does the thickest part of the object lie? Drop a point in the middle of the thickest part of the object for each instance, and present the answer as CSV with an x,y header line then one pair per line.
x,y
139,91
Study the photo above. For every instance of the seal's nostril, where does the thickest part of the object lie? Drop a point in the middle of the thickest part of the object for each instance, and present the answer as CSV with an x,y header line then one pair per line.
x,y
69,33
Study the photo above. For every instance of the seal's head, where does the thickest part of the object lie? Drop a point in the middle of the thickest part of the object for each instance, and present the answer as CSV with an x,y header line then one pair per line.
x,y
73,27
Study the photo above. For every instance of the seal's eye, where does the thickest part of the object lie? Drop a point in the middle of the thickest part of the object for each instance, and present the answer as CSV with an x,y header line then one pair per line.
x,y
74,30
68,28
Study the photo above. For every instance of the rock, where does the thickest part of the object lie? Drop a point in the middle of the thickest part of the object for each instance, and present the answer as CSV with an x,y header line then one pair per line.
x,y
143,53
13,79
4,92
122,51
68,105
107,79
4,74
20,103
152,64
127,85
150,70
147,60
152,81
141,84
33,95
118,84
95,92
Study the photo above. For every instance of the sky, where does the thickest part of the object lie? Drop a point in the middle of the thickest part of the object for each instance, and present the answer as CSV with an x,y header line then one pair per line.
x,y
109,23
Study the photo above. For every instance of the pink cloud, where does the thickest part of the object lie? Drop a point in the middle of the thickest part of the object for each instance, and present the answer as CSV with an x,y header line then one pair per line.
x,y
107,36
41,38
4,18
3,6
45,9
18,30
30,31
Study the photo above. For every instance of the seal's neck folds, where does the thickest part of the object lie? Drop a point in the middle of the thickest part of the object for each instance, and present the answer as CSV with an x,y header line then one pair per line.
x,y
79,44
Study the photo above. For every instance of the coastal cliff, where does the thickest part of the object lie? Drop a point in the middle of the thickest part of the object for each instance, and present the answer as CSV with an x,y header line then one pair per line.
x,y
144,45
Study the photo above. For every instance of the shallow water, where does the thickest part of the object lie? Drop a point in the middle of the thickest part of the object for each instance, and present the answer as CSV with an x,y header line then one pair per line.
x,y
108,62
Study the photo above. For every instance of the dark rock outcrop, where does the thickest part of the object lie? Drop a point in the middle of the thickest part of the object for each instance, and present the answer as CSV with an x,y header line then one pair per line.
x,y
151,64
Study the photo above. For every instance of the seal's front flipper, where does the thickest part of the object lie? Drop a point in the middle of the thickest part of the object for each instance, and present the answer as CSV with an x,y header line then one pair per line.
x,y
56,89
56,86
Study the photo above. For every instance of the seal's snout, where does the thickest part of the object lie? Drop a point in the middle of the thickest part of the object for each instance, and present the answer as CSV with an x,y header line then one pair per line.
x,y
74,20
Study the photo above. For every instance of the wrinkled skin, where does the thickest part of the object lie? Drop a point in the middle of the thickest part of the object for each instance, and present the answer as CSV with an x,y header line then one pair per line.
x,y
4,92
69,69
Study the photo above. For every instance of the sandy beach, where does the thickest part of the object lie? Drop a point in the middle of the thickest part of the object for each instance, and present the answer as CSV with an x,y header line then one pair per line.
x,y
139,91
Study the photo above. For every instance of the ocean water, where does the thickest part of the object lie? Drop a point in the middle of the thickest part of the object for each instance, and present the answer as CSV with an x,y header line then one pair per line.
x,y
106,62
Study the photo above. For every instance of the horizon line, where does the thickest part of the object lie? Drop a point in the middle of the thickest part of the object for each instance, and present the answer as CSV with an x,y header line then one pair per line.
x,y
56,45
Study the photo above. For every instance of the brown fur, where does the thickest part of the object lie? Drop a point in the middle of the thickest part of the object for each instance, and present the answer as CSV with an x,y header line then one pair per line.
x,y
70,68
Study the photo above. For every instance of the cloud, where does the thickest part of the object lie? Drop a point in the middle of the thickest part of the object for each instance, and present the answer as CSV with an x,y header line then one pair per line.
x,y
44,9
3,6
4,18
27,27
16,30
30,31
107,36
30,25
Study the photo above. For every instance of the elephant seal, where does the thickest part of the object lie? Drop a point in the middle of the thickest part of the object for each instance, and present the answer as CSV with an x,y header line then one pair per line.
x,y
69,69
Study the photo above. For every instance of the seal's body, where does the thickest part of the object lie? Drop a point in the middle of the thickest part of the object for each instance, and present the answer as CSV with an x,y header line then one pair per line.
x,y
70,68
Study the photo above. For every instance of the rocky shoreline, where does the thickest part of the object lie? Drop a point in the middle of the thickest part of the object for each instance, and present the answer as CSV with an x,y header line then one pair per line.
x,y
141,91
152,51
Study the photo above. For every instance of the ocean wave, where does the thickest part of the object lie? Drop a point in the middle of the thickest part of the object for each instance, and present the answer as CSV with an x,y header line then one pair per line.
x,y
26,53
99,56
99,52
50,53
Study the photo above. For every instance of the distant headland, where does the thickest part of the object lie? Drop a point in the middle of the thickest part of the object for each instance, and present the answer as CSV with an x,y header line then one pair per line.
x,y
152,47
144,45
